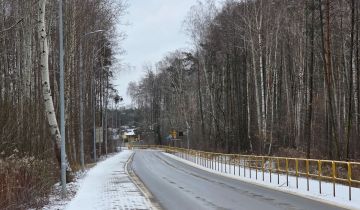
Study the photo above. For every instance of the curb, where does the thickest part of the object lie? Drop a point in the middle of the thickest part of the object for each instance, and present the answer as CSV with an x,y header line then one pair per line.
x,y
151,200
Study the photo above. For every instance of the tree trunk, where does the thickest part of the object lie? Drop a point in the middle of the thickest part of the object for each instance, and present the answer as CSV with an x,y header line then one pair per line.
x,y
348,133
45,83
311,73
203,137
326,41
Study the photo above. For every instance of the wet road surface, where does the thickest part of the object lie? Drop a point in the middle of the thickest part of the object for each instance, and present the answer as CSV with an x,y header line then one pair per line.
x,y
176,185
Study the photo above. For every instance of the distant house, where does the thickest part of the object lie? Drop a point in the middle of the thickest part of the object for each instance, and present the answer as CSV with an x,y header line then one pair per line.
x,y
130,136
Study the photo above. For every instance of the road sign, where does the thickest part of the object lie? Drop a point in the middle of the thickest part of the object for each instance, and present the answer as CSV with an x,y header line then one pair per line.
x,y
99,134
173,134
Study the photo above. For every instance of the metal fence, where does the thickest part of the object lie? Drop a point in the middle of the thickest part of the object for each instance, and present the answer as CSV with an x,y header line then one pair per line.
x,y
336,172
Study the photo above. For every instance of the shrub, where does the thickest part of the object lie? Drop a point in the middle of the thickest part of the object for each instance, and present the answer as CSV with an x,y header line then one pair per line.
x,y
25,182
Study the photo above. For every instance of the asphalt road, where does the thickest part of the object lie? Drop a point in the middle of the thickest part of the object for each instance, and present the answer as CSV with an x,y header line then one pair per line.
x,y
176,185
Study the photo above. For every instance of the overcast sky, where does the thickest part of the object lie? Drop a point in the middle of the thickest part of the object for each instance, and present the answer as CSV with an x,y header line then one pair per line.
x,y
156,28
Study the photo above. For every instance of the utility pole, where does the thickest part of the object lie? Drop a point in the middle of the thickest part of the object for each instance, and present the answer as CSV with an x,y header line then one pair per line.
x,y
62,104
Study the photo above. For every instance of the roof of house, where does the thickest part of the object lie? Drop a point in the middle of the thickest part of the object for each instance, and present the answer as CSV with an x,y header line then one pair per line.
x,y
129,132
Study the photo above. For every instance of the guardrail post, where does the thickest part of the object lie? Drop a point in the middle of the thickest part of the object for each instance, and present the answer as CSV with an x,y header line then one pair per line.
x,y
244,167
234,163
207,160
270,162
215,162
229,164
278,170
202,158
221,163
192,158
250,161
333,166
297,172
263,168
256,169
307,175
225,164
319,175
287,171
212,162
349,179
239,164
198,158
196,161
218,163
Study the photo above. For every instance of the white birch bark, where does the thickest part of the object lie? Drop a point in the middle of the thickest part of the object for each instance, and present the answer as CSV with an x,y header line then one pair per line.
x,y
258,110
209,92
45,82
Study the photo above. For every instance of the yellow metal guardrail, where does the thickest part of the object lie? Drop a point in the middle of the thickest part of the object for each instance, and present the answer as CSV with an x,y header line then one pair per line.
x,y
337,172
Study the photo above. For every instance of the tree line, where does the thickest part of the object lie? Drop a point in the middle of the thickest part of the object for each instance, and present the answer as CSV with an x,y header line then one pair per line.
x,y
29,47
262,76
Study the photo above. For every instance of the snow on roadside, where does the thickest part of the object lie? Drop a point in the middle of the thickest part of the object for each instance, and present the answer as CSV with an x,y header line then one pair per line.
x,y
105,186
56,202
341,198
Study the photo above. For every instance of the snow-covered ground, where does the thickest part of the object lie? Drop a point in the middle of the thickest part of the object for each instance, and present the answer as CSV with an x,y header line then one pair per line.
x,y
237,172
56,202
105,186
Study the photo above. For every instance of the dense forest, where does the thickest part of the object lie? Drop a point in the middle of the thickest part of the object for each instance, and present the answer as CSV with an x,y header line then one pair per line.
x,y
263,77
273,77
29,82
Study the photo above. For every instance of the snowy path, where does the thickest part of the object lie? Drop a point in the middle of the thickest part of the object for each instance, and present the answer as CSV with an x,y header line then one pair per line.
x,y
107,186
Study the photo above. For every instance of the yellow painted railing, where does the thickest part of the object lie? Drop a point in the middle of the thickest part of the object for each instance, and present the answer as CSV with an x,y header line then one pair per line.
x,y
336,172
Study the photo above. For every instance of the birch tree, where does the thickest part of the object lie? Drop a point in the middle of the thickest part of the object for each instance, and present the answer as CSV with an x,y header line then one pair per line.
x,y
45,81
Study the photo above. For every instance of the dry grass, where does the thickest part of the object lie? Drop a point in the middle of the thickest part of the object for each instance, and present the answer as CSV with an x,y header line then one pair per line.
x,y
25,182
